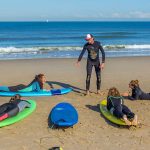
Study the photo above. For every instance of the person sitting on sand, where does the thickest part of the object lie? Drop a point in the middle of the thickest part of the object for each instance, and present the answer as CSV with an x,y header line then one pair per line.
x,y
137,93
37,85
13,107
117,108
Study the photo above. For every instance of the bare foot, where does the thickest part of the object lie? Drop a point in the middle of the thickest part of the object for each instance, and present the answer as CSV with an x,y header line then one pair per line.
x,y
135,122
127,121
100,93
87,93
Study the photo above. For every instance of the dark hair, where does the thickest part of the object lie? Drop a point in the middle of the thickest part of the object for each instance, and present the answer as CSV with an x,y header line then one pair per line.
x,y
36,79
113,92
17,96
134,83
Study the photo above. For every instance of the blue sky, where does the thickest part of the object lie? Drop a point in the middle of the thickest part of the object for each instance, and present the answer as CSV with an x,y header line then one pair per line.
x,y
60,10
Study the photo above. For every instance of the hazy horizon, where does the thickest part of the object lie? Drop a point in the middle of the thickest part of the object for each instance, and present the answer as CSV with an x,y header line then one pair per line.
x,y
74,10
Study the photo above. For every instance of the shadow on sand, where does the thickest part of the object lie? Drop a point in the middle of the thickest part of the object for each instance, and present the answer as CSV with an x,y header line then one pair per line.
x,y
55,127
65,85
96,108
17,87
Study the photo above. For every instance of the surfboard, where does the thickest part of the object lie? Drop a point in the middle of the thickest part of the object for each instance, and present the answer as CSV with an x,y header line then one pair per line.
x,y
106,113
64,115
26,112
34,93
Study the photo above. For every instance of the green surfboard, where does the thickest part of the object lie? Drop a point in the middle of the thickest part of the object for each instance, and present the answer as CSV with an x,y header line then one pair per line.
x,y
106,113
19,116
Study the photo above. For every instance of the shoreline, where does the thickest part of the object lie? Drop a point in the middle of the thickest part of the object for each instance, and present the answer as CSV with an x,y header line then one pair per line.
x,y
84,58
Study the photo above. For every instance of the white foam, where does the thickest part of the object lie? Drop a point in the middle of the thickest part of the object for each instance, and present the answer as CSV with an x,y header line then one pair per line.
x,y
16,50
66,48
135,46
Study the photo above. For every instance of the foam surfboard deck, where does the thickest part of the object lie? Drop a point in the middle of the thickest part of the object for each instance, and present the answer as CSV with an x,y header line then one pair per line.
x,y
106,113
64,115
33,93
26,112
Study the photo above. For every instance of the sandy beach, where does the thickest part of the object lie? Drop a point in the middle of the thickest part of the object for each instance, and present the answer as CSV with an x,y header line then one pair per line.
x,y
92,132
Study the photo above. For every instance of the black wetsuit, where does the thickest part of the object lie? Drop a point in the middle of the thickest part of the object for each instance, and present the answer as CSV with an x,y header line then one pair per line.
x,y
11,109
93,60
138,94
117,108
8,110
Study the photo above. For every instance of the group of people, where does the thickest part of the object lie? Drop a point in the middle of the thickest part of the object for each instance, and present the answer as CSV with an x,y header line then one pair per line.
x,y
16,104
115,102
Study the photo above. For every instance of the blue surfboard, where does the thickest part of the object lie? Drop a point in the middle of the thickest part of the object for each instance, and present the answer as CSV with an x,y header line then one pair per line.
x,y
63,115
34,93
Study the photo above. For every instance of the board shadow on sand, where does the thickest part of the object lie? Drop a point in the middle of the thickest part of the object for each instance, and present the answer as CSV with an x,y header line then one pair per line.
x,y
96,108
17,87
66,85
54,127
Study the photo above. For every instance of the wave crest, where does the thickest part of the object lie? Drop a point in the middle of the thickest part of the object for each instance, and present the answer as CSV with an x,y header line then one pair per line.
x,y
66,48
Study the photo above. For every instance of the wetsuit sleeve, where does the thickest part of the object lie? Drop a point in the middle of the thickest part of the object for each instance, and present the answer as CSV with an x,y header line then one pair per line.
x,y
122,99
128,97
23,104
82,53
103,53
109,105
36,86
116,102
135,94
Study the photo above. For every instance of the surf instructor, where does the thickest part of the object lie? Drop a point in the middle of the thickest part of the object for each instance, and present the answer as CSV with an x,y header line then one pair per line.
x,y
93,60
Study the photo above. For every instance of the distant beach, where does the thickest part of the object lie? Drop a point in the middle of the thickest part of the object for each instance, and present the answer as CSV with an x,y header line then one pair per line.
x,y
28,40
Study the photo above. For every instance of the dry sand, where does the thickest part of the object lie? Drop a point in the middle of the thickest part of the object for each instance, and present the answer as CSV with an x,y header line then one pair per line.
x,y
92,132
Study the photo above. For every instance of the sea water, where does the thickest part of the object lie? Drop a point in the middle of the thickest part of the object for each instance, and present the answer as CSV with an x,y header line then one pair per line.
x,y
23,40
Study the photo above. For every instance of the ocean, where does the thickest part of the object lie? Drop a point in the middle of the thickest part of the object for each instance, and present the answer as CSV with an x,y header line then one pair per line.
x,y
28,40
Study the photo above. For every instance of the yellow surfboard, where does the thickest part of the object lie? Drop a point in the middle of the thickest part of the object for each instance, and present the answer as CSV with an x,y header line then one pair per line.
x,y
106,113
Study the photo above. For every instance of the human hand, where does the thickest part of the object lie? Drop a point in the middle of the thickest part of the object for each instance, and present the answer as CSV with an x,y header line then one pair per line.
x,y
102,66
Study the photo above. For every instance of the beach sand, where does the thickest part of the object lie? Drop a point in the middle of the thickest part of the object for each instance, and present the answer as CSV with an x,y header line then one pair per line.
x,y
92,132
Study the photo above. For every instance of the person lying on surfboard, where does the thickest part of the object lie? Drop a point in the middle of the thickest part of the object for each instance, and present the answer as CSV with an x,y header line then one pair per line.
x,y
116,106
13,107
37,85
137,93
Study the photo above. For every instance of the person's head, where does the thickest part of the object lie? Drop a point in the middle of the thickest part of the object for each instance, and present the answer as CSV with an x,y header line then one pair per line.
x,y
113,92
40,78
89,38
16,97
133,84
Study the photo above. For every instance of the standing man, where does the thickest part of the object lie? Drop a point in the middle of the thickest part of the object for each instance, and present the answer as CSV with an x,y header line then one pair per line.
x,y
93,48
